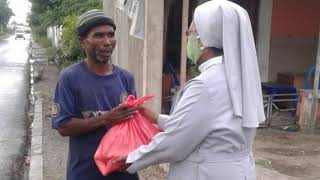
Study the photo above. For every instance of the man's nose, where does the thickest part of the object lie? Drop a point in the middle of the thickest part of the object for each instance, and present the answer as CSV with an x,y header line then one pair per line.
x,y
106,40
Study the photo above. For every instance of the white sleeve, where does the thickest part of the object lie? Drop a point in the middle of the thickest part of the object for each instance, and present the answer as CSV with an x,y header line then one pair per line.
x,y
184,131
162,118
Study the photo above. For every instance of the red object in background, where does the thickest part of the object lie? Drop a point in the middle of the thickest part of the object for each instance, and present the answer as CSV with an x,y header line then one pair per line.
x,y
124,138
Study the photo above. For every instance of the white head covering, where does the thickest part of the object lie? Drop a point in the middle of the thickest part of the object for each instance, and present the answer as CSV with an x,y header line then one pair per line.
x,y
225,25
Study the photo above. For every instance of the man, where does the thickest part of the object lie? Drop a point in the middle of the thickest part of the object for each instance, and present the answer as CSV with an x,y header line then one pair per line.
x,y
88,95
210,131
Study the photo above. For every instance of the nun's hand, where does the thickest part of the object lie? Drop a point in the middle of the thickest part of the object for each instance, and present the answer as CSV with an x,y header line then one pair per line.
x,y
122,162
148,113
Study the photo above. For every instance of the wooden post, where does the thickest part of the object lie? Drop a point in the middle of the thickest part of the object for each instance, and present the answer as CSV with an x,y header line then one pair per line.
x,y
183,55
153,51
145,50
313,120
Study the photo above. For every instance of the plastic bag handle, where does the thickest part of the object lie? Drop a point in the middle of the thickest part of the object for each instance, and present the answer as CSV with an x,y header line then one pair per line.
x,y
132,101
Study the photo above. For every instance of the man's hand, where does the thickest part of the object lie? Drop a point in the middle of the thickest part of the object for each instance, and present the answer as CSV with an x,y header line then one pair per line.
x,y
148,113
118,114
122,162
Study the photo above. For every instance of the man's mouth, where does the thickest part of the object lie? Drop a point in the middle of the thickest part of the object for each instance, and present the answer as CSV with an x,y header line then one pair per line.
x,y
105,53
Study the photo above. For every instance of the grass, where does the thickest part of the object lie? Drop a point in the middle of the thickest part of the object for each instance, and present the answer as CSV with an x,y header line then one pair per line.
x,y
6,32
46,43
42,41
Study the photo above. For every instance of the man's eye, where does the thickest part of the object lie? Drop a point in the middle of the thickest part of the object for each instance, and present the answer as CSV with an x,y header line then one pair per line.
x,y
110,34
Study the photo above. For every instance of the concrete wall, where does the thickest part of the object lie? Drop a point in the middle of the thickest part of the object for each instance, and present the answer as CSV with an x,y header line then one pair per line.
x,y
54,34
295,18
291,55
153,50
49,32
143,58
122,33
128,53
294,36
108,8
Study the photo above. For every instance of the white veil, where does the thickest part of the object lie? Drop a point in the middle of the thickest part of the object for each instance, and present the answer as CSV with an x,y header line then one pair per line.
x,y
225,25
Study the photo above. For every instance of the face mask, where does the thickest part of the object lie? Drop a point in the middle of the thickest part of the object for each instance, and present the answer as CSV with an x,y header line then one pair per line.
x,y
193,50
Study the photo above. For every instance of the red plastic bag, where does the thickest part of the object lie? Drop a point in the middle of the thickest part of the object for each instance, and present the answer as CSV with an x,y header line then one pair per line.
x,y
124,138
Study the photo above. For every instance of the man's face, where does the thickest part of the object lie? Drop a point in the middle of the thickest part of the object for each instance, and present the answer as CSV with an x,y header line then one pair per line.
x,y
99,43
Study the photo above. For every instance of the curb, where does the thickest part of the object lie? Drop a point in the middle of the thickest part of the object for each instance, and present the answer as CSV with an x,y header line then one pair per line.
x,y
4,37
36,160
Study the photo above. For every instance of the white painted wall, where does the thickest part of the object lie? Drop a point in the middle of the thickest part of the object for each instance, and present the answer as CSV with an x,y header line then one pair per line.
x,y
143,58
264,37
291,55
54,34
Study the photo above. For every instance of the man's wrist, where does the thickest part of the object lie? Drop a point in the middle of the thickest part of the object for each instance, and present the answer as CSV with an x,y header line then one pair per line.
x,y
99,121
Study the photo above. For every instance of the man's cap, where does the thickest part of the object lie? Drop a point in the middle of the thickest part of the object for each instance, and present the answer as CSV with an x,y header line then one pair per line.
x,y
91,19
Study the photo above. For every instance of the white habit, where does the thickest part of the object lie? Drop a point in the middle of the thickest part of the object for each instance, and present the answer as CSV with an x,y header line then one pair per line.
x,y
211,129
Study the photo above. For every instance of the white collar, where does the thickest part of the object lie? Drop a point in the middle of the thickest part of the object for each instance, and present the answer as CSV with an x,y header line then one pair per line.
x,y
209,63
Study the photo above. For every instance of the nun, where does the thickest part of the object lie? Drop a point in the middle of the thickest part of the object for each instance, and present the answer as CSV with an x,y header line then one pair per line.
x,y
211,128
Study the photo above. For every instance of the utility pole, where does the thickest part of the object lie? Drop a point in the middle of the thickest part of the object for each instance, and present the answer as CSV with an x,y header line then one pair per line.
x,y
314,111
183,55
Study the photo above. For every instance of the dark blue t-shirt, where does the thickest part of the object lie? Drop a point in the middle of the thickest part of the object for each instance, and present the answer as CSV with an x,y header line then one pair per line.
x,y
81,93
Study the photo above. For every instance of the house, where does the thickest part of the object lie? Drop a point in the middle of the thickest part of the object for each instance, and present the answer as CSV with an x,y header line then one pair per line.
x,y
286,34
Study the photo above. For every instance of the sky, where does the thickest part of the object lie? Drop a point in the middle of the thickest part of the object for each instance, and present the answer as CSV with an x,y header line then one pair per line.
x,y
20,8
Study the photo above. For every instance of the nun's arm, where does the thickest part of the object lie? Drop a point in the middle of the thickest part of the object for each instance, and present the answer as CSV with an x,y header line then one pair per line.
x,y
161,121
183,131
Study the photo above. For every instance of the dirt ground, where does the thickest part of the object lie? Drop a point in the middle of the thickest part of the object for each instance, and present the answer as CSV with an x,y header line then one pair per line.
x,y
280,155
287,155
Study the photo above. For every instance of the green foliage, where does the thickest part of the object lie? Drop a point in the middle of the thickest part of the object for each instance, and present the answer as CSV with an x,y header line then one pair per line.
x,y
42,40
45,13
69,38
5,12
63,8
70,50
5,31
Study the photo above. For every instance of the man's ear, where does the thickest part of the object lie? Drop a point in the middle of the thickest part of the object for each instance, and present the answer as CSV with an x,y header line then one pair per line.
x,y
81,42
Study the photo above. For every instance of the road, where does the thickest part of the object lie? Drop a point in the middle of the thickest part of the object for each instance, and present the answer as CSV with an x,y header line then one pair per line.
x,y
14,92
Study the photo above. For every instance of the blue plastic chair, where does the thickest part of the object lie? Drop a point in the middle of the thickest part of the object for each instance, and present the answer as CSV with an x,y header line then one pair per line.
x,y
310,75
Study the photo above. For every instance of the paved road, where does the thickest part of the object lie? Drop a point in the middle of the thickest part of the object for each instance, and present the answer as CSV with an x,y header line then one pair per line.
x,y
13,105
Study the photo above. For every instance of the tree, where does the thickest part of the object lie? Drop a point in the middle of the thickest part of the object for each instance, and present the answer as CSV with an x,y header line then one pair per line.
x,y
62,13
5,13
45,13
